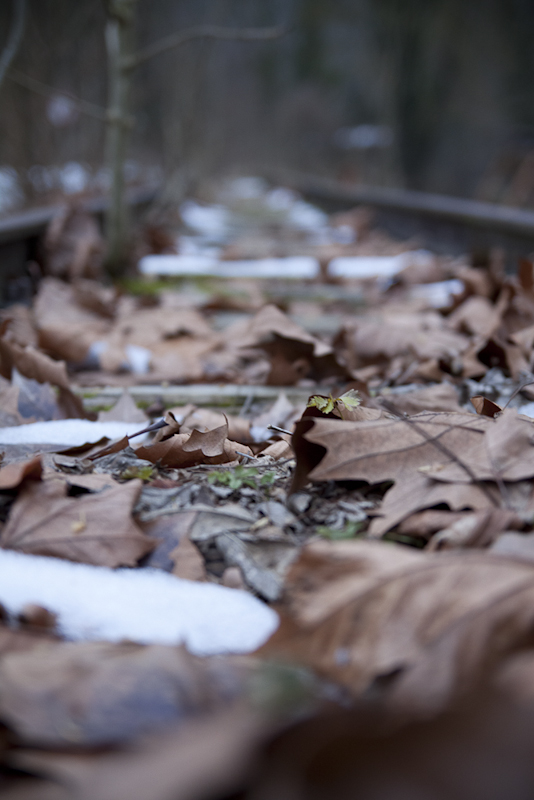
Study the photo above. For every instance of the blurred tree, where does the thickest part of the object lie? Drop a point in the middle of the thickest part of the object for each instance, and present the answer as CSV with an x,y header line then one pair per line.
x,y
122,60
14,38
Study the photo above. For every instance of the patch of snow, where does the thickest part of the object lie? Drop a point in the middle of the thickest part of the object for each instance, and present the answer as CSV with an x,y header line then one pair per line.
x,y
527,409
290,267
11,194
376,266
62,110
440,293
306,217
178,265
73,177
304,267
73,432
144,605
245,188
281,199
211,221
139,358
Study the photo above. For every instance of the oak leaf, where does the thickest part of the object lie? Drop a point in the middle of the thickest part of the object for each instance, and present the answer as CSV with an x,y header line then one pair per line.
x,y
423,626
93,528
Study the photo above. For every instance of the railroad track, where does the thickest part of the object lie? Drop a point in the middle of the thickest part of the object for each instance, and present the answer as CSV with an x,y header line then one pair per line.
x,y
21,234
441,223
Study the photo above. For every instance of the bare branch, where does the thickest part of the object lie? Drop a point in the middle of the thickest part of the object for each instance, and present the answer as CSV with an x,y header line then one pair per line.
x,y
15,37
91,109
203,32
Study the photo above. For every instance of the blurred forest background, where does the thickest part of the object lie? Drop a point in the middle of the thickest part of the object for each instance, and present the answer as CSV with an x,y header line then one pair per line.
x,y
437,96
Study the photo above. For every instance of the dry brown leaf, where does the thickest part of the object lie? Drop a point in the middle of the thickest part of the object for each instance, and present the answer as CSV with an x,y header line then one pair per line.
x,y
485,407
419,492
188,562
186,450
171,426
514,545
278,450
9,405
73,244
18,325
92,528
36,365
67,328
124,410
426,523
478,750
423,626
109,449
294,353
385,449
370,341
94,693
13,474
476,316
204,419
208,757
478,529
505,452
184,359
440,397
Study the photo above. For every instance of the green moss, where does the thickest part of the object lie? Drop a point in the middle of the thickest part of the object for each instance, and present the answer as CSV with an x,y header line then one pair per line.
x,y
350,530
144,473
242,476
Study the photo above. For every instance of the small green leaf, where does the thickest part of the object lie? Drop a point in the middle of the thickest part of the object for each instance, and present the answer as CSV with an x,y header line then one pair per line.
x,y
267,479
349,531
235,479
350,399
145,473
324,404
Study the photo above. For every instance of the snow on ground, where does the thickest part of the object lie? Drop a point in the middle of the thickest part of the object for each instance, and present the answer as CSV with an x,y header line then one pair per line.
x,y
148,606
73,432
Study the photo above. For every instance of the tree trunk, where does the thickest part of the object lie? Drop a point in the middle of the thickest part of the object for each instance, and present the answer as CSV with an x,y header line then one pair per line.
x,y
119,44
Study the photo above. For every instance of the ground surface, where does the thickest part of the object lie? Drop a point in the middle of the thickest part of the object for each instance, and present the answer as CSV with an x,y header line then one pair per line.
x,y
352,448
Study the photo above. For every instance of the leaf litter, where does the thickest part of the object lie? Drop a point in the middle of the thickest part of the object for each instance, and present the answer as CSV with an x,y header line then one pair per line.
x,y
220,527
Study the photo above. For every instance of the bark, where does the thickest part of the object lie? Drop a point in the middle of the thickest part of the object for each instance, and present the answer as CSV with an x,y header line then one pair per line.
x,y
119,44
15,37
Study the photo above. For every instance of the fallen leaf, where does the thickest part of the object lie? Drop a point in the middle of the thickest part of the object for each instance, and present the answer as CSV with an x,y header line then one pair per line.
x,y
124,410
13,474
485,407
45,521
385,449
209,756
294,353
67,329
478,529
36,365
186,450
505,452
418,492
440,397
478,750
422,626
188,562
95,693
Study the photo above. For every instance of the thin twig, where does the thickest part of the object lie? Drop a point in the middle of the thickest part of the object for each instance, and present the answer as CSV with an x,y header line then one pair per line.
x,y
518,389
442,448
203,32
278,430
245,455
156,426
15,37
